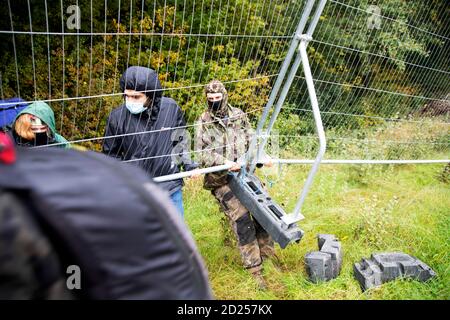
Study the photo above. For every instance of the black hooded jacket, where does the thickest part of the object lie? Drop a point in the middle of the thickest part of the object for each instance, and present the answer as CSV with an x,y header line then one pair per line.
x,y
156,148
77,217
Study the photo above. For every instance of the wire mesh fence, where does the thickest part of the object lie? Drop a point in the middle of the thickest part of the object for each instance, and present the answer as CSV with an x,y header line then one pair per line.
x,y
382,76
381,70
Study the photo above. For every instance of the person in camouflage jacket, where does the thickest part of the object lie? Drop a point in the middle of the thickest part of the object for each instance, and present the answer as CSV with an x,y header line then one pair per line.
x,y
222,137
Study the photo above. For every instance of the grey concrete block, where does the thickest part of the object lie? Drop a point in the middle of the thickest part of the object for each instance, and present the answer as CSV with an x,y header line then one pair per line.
x,y
318,266
329,244
325,264
367,273
384,267
322,238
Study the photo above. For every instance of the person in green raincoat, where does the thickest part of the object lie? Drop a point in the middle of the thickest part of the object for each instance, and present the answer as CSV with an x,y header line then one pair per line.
x,y
35,126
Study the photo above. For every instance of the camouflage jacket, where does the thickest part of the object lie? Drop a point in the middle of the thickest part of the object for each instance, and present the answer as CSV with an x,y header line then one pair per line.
x,y
220,139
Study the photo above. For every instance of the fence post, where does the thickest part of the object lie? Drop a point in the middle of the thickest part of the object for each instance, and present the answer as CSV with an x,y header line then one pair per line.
x,y
319,127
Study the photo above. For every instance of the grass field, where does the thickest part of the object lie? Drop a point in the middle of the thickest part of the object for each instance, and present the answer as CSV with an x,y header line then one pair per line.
x,y
369,208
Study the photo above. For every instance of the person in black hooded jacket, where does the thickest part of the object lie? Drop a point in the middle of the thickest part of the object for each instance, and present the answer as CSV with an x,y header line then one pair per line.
x,y
162,149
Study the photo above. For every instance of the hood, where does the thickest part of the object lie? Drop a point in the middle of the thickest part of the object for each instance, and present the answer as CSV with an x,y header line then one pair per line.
x,y
42,111
143,79
45,113
216,86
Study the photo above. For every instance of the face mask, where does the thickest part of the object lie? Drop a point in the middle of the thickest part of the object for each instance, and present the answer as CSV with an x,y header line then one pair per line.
x,y
135,107
41,139
215,105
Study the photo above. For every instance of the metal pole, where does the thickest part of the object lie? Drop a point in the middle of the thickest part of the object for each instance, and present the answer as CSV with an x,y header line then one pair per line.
x,y
185,174
288,83
306,161
315,20
319,128
279,81
284,92
294,161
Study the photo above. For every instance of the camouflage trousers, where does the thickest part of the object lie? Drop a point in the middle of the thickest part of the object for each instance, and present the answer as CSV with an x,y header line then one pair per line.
x,y
254,243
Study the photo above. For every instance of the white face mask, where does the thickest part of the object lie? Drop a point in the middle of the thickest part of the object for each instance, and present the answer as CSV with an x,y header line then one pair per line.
x,y
135,107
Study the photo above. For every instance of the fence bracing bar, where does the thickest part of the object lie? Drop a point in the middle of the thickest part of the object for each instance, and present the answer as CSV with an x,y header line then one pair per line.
x,y
187,174
301,58
296,215
358,161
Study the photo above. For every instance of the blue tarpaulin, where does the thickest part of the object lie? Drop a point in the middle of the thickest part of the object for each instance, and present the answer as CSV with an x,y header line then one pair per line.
x,y
9,109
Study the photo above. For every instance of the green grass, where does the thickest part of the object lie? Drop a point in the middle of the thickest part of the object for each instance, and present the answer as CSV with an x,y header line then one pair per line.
x,y
370,209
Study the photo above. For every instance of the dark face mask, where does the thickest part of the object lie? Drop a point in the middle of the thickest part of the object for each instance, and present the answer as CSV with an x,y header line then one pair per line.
x,y
215,105
41,139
